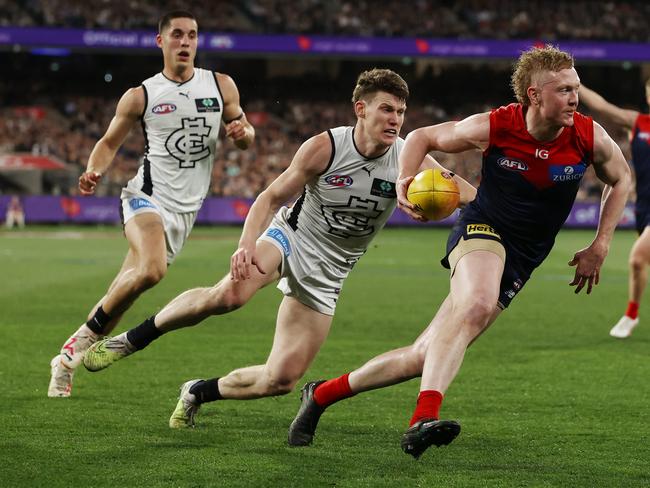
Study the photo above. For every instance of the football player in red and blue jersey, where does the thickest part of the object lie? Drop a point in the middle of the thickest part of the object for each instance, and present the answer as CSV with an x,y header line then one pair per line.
x,y
534,155
639,126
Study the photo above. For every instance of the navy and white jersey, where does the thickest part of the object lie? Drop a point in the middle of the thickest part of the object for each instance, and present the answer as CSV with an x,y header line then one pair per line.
x,y
181,123
341,211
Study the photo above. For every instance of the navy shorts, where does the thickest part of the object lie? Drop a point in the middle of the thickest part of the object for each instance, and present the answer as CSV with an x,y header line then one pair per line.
x,y
642,214
516,271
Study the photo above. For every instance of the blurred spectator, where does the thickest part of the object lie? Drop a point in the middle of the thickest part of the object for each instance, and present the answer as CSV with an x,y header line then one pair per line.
x,y
625,21
15,216
70,132
60,116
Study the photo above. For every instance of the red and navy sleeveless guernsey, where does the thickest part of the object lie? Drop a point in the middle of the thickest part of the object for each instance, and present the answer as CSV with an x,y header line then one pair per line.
x,y
528,187
641,163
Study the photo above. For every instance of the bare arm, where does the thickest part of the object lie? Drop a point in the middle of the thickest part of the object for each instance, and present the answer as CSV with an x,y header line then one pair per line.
x,y
310,160
612,169
128,112
467,191
237,126
609,111
452,137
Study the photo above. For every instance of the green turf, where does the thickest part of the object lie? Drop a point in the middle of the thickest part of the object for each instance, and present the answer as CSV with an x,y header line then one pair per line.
x,y
545,398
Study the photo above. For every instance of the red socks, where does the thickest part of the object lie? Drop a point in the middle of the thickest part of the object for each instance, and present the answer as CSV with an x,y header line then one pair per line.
x,y
428,406
332,391
632,310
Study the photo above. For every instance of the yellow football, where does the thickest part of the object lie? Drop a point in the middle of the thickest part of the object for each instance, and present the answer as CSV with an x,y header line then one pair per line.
x,y
434,193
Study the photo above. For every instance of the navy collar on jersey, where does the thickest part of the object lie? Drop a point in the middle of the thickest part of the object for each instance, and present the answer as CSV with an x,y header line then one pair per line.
x,y
180,83
354,143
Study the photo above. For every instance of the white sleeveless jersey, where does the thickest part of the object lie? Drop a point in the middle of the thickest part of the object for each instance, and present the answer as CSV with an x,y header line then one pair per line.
x,y
181,123
341,212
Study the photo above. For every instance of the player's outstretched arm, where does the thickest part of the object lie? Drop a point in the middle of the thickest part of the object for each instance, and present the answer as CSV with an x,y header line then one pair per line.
x,y
128,112
238,128
617,115
452,137
612,169
310,160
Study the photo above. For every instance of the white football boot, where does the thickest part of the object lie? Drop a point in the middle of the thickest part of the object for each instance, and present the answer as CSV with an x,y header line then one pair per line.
x,y
72,352
624,327
63,365
60,380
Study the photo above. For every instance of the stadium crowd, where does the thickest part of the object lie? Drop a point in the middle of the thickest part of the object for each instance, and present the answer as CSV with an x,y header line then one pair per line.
x,y
68,131
468,19
67,126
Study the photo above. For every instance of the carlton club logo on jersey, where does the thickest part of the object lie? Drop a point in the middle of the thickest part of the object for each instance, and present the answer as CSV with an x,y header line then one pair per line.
x,y
567,172
340,181
188,143
512,164
164,108
354,219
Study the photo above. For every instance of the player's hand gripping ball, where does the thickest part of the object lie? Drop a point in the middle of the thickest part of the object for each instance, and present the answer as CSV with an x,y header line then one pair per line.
x,y
434,194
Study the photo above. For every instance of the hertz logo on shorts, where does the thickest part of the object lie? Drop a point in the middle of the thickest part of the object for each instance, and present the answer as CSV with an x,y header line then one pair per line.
x,y
482,229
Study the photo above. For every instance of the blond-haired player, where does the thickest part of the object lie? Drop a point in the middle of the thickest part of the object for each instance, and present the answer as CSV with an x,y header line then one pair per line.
x,y
534,155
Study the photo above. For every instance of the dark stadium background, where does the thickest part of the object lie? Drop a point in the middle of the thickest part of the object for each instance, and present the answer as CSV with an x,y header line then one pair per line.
x,y
546,398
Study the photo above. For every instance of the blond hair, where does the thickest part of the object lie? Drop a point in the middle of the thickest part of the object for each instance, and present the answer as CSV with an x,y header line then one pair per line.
x,y
534,61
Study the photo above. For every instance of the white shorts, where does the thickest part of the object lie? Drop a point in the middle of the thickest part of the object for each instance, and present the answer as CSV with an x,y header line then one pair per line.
x,y
177,225
305,275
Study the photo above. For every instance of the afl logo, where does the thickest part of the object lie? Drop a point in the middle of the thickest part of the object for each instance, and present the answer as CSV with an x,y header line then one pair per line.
x,y
164,108
512,164
339,180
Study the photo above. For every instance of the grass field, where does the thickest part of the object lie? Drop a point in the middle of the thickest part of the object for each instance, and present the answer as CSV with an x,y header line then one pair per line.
x,y
545,398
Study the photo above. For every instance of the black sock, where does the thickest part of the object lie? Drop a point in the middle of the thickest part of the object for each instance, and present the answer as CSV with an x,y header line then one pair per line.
x,y
206,390
142,335
99,321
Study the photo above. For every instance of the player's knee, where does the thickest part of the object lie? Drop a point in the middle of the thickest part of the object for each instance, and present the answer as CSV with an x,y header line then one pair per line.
x,y
417,353
411,359
476,314
227,296
637,262
151,275
225,299
280,384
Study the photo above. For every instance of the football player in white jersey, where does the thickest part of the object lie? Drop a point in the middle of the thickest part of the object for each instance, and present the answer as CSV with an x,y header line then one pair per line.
x,y
182,104
347,176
